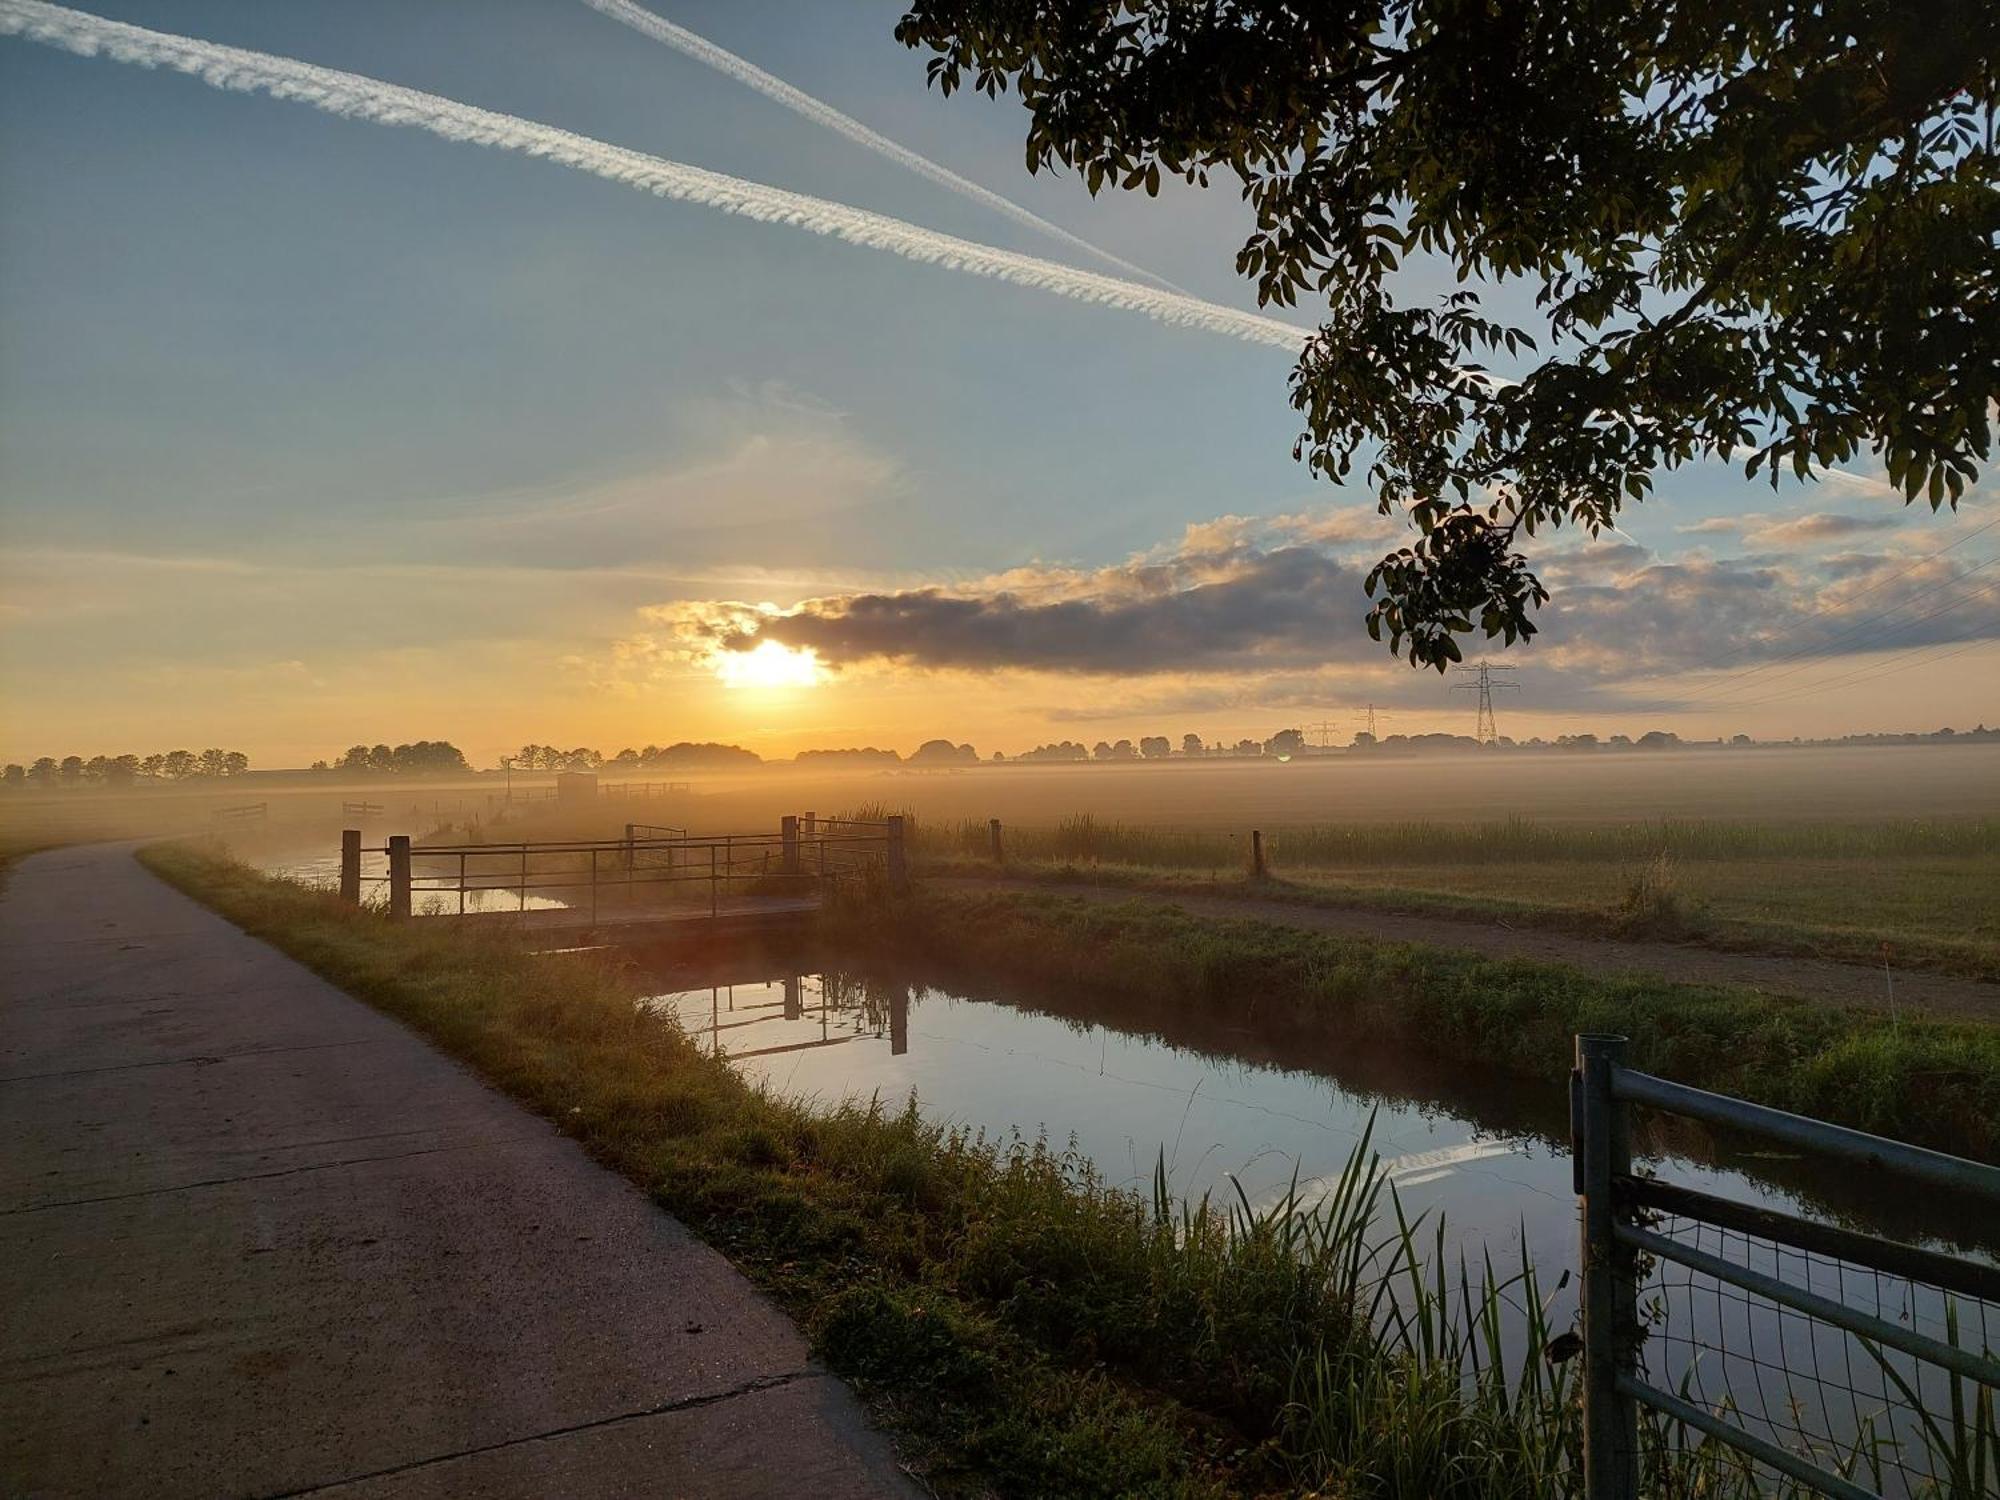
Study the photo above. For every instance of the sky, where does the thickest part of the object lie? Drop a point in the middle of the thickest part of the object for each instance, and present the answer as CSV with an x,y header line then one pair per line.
x,y
315,431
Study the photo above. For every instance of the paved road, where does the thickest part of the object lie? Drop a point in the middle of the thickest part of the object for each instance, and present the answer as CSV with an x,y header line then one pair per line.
x,y
1816,979
256,1239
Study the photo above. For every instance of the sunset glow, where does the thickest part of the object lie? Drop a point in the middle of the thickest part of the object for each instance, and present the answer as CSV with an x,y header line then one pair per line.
x,y
769,665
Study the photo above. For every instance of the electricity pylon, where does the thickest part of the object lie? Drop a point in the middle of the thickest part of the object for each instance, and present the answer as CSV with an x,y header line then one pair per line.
x,y
1486,686
1322,733
1369,713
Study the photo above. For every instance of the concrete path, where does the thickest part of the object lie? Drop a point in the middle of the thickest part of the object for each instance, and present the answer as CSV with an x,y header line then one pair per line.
x,y
257,1239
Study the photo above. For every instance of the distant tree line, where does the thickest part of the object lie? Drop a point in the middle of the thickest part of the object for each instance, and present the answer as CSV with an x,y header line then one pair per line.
x,y
929,753
423,758
682,756
49,773
1158,747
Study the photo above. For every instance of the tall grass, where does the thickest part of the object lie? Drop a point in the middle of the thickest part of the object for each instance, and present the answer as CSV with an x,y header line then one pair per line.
x,y
1083,838
1027,1327
1935,1083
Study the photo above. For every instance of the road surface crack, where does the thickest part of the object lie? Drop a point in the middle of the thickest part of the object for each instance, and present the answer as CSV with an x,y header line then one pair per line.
x,y
686,1403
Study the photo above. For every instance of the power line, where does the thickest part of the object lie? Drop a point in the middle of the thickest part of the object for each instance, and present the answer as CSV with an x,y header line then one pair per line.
x,y
1869,672
1323,731
1485,686
1876,586
1370,713
1821,649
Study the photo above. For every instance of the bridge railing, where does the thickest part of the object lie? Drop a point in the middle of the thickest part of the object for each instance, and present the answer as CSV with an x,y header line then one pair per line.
x,y
653,863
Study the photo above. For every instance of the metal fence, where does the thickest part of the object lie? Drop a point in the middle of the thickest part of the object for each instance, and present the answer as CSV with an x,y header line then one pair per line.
x,y
1810,1358
652,866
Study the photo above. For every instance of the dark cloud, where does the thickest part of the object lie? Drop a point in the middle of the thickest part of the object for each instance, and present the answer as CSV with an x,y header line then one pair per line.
x,y
1289,606
1241,610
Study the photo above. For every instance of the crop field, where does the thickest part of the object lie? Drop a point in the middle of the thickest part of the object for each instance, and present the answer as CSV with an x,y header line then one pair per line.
x,y
1835,852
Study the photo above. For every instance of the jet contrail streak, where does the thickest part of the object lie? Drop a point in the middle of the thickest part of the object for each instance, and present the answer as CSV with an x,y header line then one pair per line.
x,y
352,96
799,102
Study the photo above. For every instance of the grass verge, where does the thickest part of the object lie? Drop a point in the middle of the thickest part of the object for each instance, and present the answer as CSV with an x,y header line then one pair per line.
x,y
1933,1083
905,1251
1641,909
1022,1328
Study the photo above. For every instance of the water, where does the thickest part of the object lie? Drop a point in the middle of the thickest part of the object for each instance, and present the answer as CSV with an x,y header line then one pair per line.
x,y
317,868
1230,1106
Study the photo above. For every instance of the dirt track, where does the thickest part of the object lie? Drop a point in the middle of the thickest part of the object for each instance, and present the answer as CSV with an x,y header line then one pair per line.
x,y
1808,978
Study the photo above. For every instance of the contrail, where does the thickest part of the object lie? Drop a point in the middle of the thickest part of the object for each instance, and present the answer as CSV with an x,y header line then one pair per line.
x,y
801,103
352,96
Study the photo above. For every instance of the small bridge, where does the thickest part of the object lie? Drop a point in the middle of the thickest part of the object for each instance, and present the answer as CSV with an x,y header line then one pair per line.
x,y
655,882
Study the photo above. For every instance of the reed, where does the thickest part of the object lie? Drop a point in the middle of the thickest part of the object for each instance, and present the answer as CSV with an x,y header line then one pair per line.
x,y
1024,1327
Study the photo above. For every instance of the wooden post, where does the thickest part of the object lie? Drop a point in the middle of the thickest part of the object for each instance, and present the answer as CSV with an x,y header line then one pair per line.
x,y
1601,1154
399,876
899,1020
789,838
993,832
1256,855
350,866
898,858
812,825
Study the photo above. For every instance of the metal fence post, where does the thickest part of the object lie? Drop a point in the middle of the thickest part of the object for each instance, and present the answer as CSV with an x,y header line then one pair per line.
x,y
898,859
1601,1151
789,839
628,845
899,1020
993,831
399,876
350,866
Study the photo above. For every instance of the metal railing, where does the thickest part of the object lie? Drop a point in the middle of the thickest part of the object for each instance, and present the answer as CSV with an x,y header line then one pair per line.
x,y
653,864
244,812
1850,1393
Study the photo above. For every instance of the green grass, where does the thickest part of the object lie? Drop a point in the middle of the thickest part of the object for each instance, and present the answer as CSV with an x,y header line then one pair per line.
x,y
1933,1083
1023,1328
1506,841
1929,890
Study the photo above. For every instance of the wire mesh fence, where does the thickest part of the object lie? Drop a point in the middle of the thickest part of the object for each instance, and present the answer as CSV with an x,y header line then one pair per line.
x,y
1731,1349
1880,1417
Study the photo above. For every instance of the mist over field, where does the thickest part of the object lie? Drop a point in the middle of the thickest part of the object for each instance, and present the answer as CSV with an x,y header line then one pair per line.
x,y
996,749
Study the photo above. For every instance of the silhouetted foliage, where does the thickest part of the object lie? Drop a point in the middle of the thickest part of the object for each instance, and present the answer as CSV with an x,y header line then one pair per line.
x,y
867,755
73,771
943,753
1754,231
423,758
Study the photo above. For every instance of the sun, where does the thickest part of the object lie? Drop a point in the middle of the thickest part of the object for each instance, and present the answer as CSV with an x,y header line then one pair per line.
x,y
769,665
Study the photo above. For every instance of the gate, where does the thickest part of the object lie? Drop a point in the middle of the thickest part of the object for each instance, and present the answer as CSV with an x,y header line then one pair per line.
x,y
1829,1361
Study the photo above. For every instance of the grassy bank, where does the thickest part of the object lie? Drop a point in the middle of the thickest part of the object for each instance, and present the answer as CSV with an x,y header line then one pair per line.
x,y
1933,1083
1022,1328
1929,890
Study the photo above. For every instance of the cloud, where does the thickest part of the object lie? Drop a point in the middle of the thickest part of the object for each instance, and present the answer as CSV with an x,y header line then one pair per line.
x,y
1812,530
1244,610
1601,558
355,97
1236,592
820,113
1682,616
